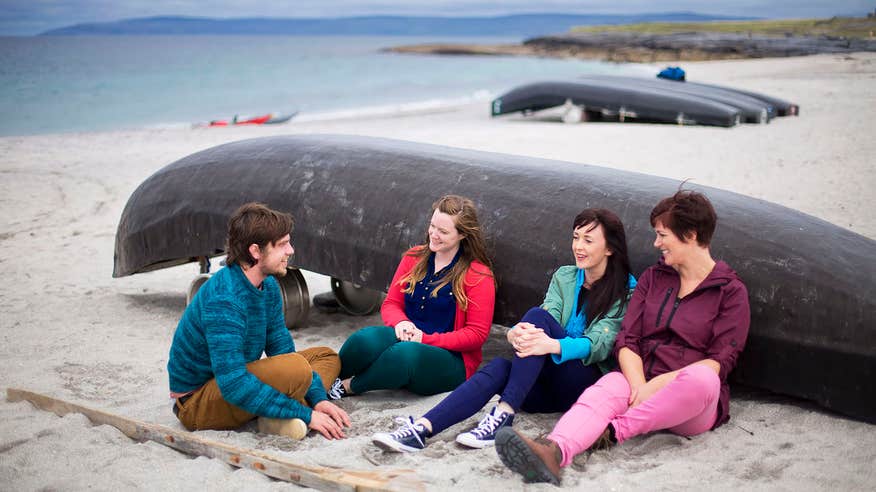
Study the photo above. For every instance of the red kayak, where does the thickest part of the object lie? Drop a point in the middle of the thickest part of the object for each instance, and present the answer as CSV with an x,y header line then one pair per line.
x,y
266,119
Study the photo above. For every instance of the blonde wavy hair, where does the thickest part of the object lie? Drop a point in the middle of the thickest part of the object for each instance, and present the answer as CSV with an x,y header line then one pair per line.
x,y
473,245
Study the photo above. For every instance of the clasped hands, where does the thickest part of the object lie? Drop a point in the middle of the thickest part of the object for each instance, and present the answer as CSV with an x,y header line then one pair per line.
x,y
406,331
528,340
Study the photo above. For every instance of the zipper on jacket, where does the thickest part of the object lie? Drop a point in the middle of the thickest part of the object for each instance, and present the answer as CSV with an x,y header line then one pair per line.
x,y
672,313
662,305
668,321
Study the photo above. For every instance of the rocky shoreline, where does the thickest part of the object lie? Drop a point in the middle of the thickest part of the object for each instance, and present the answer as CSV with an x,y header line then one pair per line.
x,y
648,48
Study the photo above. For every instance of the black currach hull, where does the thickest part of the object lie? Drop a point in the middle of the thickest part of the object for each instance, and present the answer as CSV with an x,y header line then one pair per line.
x,y
359,202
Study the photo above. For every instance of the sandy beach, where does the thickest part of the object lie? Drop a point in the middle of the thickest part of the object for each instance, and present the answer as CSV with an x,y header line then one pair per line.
x,y
72,331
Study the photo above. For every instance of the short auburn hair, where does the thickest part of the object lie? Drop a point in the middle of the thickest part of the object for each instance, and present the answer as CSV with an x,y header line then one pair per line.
x,y
254,223
685,212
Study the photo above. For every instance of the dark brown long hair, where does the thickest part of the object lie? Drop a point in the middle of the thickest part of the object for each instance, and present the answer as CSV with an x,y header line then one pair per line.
x,y
473,246
614,284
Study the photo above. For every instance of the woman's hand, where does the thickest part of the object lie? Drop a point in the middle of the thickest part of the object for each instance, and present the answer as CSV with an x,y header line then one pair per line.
x,y
644,391
634,396
403,328
416,335
408,332
534,341
514,332
631,366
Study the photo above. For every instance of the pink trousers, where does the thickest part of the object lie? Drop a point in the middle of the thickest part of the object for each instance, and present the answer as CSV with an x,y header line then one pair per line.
x,y
687,406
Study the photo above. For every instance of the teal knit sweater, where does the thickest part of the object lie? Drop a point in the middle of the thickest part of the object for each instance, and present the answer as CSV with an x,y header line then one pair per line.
x,y
229,324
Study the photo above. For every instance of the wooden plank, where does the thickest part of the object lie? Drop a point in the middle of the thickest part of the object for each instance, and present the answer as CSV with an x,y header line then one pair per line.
x,y
317,477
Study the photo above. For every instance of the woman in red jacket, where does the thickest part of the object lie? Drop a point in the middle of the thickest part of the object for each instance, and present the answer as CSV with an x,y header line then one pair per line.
x,y
686,324
438,313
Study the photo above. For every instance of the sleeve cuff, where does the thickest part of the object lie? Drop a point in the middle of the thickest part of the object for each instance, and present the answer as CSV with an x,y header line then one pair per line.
x,y
316,392
429,339
572,348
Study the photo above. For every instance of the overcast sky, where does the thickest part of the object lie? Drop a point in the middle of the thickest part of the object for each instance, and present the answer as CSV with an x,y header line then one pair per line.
x,y
24,17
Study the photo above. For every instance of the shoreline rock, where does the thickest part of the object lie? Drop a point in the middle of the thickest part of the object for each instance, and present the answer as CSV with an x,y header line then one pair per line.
x,y
648,48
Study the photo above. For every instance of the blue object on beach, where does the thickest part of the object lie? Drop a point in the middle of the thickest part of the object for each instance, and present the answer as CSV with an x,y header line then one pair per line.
x,y
672,73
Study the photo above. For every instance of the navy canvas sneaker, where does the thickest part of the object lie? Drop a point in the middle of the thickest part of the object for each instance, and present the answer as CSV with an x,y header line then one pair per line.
x,y
485,433
409,438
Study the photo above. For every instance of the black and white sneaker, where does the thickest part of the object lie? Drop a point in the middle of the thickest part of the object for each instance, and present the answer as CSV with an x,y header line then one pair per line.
x,y
485,433
337,391
409,438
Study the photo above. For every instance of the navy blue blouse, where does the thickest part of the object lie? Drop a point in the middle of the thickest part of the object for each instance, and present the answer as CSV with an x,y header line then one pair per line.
x,y
433,314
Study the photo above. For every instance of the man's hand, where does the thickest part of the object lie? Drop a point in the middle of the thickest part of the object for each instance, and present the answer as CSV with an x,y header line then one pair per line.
x,y
335,412
325,425
329,420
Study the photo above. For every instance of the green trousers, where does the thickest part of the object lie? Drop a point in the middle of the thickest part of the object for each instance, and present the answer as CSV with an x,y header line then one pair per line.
x,y
376,359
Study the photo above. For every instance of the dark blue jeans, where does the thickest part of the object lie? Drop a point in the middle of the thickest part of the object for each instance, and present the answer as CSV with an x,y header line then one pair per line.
x,y
533,384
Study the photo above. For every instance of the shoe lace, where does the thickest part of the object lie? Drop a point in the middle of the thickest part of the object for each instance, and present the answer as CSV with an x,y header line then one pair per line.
x,y
408,429
602,442
488,425
337,390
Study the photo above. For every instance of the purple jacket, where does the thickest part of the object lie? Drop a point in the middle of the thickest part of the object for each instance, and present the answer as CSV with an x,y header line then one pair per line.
x,y
670,333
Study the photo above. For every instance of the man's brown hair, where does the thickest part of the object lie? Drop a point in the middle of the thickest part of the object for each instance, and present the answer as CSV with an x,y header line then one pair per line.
x,y
254,223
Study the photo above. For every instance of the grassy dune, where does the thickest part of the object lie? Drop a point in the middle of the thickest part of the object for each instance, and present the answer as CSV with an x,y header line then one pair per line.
x,y
848,27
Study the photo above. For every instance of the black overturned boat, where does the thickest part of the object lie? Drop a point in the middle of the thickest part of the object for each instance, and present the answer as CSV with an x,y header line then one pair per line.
x,y
360,202
782,107
753,110
624,101
645,99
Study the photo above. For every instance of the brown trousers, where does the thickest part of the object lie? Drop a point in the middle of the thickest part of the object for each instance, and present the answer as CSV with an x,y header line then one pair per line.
x,y
289,374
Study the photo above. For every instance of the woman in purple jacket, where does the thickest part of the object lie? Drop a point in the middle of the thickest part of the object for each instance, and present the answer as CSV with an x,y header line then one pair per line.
x,y
684,329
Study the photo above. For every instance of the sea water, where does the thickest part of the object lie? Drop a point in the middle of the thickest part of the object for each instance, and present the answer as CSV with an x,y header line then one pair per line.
x,y
67,84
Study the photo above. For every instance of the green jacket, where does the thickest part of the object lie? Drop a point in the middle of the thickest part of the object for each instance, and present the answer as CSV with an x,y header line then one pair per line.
x,y
560,299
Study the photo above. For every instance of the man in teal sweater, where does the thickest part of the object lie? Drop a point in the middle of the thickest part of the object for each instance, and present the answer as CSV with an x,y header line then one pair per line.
x,y
217,375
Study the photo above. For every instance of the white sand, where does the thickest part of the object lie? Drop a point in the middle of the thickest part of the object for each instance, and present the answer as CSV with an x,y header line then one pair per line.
x,y
72,331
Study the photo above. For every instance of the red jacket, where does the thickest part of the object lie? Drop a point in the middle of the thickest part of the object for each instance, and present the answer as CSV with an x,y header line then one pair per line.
x,y
470,327
709,323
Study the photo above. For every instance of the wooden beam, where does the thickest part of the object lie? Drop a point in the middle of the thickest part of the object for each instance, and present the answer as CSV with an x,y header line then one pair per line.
x,y
317,477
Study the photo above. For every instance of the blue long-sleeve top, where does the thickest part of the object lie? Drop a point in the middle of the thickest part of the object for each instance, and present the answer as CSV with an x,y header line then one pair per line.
x,y
431,311
230,323
590,341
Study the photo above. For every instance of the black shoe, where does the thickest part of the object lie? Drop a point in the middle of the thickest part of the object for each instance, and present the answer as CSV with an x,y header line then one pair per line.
x,y
326,302
337,391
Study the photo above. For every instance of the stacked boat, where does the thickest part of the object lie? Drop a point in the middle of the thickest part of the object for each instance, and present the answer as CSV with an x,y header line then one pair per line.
x,y
624,98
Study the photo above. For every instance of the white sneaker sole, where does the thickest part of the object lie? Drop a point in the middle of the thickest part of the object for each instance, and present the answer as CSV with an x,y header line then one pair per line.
x,y
387,443
469,440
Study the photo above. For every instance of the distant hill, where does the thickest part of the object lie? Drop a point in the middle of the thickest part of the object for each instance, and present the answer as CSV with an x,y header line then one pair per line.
x,y
510,25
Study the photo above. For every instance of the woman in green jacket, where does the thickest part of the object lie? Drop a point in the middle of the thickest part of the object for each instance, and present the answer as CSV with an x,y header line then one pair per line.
x,y
560,348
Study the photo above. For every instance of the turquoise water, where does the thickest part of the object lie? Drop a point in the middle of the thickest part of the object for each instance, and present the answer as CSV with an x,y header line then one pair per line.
x,y
65,84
